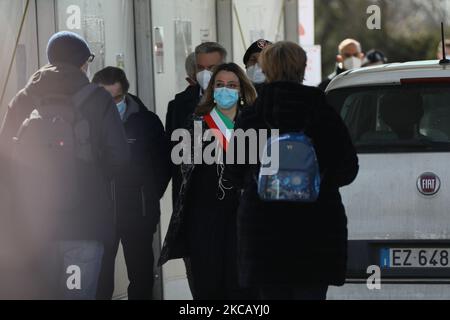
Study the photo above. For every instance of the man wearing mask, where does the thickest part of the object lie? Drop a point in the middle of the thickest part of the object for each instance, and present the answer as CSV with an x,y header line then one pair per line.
x,y
70,147
207,56
254,71
350,57
137,192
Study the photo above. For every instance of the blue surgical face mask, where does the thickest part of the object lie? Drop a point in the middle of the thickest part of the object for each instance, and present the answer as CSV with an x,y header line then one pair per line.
x,y
226,98
122,107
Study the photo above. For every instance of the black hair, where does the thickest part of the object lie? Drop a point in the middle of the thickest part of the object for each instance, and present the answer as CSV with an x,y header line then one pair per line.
x,y
375,56
111,75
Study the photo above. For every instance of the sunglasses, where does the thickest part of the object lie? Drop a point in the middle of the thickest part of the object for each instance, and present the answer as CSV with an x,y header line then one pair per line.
x,y
91,58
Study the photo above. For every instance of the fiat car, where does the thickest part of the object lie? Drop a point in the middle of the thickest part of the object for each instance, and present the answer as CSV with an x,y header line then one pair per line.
x,y
398,116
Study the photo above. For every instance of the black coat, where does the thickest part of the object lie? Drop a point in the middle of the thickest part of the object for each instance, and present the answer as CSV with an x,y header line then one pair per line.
x,y
142,184
202,229
181,109
94,220
289,244
179,112
175,244
324,84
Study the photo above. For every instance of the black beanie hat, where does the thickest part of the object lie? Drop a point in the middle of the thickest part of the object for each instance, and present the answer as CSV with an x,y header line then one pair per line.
x,y
68,47
256,47
374,56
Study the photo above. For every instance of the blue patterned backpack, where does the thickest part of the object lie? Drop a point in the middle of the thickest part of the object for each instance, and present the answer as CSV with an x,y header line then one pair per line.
x,y
297,178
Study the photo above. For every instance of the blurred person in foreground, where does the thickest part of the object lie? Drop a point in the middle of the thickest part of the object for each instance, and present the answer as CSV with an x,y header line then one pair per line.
x,y
64,143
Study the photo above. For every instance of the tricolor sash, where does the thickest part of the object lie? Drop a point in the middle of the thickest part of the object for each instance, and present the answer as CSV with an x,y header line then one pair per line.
x,y
222,127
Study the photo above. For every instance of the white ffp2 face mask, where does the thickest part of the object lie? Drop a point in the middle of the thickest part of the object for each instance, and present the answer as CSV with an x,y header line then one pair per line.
x,y
255,74
352,63
203,78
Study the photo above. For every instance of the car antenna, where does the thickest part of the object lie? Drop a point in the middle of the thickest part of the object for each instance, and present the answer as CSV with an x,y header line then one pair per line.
x,y
444,48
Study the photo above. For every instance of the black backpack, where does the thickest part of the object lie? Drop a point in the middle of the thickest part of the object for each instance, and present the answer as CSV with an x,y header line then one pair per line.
x,y
49,150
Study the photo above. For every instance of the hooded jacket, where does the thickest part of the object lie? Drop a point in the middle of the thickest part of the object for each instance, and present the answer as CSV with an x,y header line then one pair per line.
x,y
295,244
94,220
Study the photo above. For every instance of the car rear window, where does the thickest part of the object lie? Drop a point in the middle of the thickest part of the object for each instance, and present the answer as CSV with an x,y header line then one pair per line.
x,y
407,118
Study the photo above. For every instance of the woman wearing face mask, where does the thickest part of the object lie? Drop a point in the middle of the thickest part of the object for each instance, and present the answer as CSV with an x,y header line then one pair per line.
x,y
203,225
254,71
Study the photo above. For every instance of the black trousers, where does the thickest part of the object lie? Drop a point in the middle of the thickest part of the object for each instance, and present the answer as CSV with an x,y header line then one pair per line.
x,y
139,258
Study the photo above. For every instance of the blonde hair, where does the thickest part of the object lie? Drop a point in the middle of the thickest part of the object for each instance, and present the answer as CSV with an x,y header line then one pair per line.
x,y
248,92
344,44
284,61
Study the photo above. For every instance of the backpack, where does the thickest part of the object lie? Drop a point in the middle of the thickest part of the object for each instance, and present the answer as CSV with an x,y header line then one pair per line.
x,y
49,151
297,178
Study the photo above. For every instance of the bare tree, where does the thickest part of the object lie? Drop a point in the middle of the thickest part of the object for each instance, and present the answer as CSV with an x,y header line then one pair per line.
x,y
410,28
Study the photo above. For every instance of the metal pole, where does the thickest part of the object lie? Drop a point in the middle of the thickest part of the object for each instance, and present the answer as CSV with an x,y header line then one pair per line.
x,y
8,75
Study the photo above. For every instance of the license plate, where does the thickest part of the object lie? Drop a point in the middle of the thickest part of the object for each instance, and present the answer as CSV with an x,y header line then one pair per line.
x,y
415,258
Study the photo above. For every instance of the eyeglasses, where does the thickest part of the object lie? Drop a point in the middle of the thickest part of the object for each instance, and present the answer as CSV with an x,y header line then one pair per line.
x,y
91,58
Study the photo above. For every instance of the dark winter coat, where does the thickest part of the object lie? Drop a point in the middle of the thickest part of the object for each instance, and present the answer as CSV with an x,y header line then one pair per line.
x,y
324,84
203,229
291,244
179,113
143,182
94,219
180,110
175,244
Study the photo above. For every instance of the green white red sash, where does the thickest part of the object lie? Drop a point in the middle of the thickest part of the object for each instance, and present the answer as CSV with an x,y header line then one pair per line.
x,y
222,127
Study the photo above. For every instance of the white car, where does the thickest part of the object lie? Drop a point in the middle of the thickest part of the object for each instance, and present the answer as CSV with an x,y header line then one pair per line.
x,y
399,207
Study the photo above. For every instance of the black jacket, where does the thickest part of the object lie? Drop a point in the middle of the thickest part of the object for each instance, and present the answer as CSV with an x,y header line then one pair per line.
x,y
95,218
179,112
202,228
289,244
181,109
142,184
324,84
175,244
